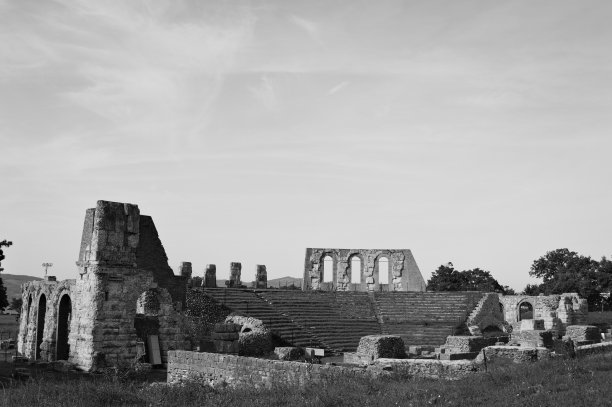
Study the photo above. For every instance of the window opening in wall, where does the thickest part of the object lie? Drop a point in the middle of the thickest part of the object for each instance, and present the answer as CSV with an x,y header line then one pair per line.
x,y
63,327
28,310
356,270
383,270
40,325
328,269
525,311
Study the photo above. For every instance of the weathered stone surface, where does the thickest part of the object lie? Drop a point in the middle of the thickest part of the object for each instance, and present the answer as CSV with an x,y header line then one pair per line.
x,y
210,276
402,268
516,354
536,339
579,333
288,352
261,277
447,369
254,338
467,344
381,346
605,347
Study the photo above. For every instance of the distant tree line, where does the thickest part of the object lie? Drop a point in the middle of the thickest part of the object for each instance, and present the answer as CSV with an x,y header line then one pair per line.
x,y
560,270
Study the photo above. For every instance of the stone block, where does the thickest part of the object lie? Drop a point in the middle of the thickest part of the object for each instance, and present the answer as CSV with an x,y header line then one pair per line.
x,y
288,353
458,356
578,333
382,346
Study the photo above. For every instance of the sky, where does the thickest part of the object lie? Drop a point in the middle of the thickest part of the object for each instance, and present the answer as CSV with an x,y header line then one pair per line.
x,y
477,131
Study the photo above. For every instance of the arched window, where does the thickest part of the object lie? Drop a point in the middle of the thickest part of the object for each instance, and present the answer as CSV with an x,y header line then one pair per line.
x,y
525,311
355,270
328,269
383,270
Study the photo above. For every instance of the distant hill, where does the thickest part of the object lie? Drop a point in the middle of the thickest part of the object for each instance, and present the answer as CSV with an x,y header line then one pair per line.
x,y
13,282
275,282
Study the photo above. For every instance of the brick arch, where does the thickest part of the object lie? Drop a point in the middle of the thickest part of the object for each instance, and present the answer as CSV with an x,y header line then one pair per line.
x,y
349,270
387,255
334,271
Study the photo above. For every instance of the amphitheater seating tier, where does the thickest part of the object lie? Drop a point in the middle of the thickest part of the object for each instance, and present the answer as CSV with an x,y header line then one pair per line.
x,y
337,320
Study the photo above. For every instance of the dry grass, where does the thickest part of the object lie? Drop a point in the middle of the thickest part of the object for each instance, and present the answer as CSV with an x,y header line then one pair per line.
x,y
583,382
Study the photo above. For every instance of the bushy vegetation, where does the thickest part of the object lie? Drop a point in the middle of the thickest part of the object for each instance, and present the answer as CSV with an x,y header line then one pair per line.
x,y
570,382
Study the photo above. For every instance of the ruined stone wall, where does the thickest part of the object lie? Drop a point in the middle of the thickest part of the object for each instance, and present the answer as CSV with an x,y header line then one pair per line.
x,y
236,371
120,258
404,274
557,311
31,293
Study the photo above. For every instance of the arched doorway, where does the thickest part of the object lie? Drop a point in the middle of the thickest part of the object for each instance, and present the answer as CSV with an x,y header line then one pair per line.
x,y
40,325
146,322
63,327
525,311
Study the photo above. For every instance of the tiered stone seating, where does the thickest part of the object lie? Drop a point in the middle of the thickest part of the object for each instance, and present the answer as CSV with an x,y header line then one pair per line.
x,y
425,318
337,319
248,302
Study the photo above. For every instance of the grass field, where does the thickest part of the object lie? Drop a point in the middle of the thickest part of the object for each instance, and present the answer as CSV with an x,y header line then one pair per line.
x,y
577,382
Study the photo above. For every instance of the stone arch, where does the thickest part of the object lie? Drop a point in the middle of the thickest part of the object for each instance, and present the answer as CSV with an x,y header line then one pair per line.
x,y
350,271
387,269
328,278
524,310
40,323
64,316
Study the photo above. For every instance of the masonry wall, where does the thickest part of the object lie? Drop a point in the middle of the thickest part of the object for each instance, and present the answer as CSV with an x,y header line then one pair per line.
x,y
557,311
120,258
404,274
213,368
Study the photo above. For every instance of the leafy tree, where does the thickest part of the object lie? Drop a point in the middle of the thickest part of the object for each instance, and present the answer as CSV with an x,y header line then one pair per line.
x,y
447,278
16,304
3,300
563,270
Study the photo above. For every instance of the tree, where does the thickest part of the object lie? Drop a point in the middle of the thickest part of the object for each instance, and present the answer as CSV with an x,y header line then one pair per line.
x,y
563,271
447,278
3,300
16,304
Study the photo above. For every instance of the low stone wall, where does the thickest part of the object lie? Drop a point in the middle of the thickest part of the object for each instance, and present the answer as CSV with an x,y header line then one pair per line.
x,y
516,354
214,369
381,346
446,369
583,333
585,350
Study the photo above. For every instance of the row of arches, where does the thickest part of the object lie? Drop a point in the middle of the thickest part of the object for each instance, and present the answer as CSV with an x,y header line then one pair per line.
x,y
62,328
355,269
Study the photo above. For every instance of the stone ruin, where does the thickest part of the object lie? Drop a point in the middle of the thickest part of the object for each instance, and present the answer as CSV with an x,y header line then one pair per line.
x,y
125,292
403,272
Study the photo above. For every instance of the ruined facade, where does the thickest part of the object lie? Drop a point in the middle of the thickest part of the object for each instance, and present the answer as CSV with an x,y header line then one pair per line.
x,y
402,272
554,311
124,291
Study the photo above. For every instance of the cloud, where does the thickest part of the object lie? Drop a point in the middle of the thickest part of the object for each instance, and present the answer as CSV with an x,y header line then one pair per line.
x,y
266,94
310,27
338,87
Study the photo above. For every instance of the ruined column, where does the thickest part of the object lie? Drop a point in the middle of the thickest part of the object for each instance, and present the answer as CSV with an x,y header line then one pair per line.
x,y
210,276
261,277
186,271
235,270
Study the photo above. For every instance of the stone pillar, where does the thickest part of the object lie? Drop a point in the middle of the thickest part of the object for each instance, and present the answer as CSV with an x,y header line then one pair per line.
x,y
261,277
235,271
210,276
186,271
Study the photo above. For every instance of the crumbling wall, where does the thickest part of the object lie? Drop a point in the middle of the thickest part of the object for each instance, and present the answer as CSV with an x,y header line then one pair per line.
x,y
120,258
487,314
404,274
557,311
31,293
